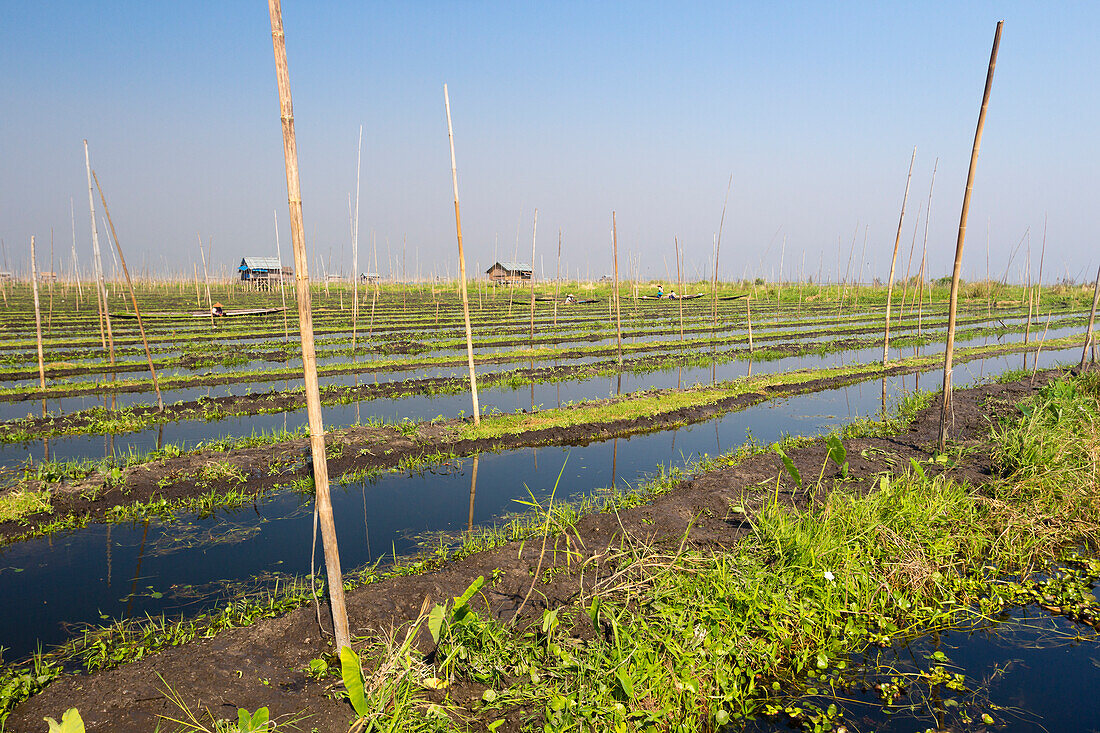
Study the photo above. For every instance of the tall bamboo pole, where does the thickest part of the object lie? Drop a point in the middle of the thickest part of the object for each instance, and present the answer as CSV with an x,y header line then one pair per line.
x,y
37,319
534,231
305,321
557,281
1092,320
206,280
1042,257
894,262
282,290
679,286
76,264
105,334
355,248
717,249
133,298
618,317
462,264
949,351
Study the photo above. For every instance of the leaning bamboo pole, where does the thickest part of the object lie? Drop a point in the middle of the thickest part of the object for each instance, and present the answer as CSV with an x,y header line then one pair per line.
x,y
76,264
894,262
1042,256
1092,319
534,231
949,351
133,298
462,264
305,322
37,319
618,316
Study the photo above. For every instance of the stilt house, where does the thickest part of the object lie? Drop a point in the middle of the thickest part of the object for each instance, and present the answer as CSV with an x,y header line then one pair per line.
x,y
509,272
261,272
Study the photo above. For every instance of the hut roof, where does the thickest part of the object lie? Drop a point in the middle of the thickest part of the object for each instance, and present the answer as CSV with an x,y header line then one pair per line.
x,y
260,263
512,266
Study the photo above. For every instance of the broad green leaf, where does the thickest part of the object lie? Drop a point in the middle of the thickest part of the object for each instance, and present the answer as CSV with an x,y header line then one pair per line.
x,y
436,618
352,674
624,682
474,588
917,469
789,465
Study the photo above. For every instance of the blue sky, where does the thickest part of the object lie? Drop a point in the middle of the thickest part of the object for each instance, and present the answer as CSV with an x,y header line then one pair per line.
x,y
577,109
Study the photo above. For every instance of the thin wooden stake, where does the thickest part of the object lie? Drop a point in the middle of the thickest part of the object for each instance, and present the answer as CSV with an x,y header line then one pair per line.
x,y
206,280
462,264
557,281
1092,320
355,248
894,262
282,290
105,334
37,319
949,351
305,322
133,298
534,231
618,317
679,286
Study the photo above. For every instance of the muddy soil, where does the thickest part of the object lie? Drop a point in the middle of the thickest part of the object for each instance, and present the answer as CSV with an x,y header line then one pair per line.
x,y
263,664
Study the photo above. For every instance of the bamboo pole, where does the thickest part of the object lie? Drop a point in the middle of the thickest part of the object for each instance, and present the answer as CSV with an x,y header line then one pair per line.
x,y
133,298
679,286
534,231
618,315
1042,257
557,281
206,280
1092,319
305,322
282,289
462,263
76,264
37,319
355,248
909,264
894,262
717,250
949,351
105,335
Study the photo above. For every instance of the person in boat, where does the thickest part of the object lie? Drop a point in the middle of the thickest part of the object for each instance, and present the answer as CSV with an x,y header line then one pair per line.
x,y
660,290
673,296
569,299
217,309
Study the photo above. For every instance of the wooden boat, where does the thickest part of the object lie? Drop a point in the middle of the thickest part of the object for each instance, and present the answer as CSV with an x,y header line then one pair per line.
x,y
184,315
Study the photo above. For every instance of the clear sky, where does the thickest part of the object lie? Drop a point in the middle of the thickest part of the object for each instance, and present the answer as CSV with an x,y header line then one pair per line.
x,y
576,108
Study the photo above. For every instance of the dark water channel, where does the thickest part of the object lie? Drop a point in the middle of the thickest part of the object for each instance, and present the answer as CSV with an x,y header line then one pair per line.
x,y
1029,671
51,585
188,433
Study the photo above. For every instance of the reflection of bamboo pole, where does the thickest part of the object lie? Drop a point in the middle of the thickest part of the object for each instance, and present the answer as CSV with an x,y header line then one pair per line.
x,y
1092,320
949,351
37,318
133,298
462,264
894,262
618,317
305,321
534,231
473,493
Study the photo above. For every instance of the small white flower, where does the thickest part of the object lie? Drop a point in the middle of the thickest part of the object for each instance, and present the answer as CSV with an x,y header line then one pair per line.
x,y
829,576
